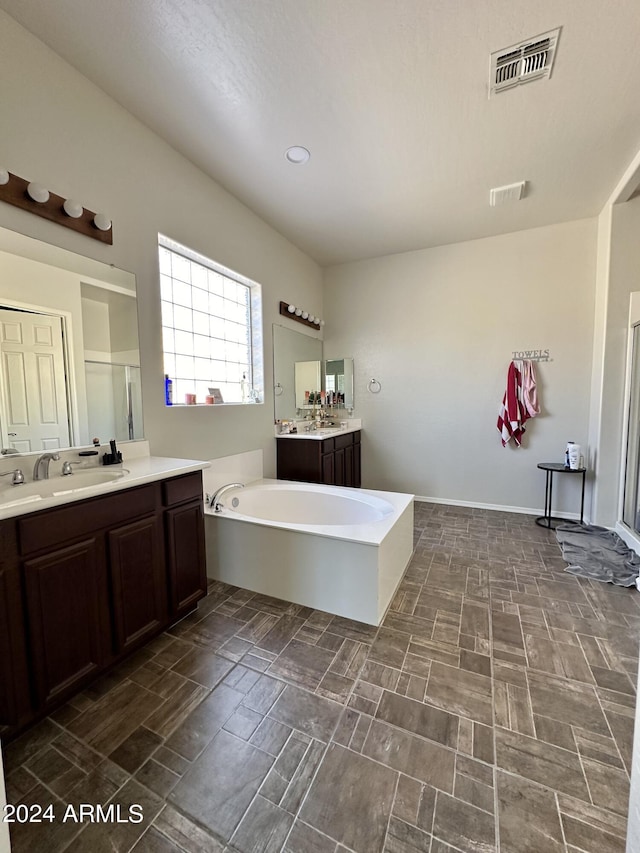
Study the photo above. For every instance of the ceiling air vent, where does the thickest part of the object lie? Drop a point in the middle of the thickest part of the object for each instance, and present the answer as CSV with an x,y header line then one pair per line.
x,y
529,60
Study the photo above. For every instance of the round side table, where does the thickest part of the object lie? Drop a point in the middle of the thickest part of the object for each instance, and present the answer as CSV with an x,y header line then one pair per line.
x,y
550,521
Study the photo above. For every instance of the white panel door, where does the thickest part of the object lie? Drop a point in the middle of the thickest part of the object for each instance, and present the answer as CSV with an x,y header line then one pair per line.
x,y
34,412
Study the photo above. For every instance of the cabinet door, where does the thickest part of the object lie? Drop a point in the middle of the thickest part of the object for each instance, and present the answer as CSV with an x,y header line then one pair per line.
x,y
328,469
349,479
138,582
14,682
339,469
66,594
186,557
357,480
15,699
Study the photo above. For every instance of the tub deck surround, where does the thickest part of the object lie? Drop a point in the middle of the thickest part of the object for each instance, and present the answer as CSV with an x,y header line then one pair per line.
x,y
351,569
137,470
492,711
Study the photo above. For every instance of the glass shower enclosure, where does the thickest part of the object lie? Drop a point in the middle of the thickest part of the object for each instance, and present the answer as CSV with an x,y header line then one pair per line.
x,y
114,400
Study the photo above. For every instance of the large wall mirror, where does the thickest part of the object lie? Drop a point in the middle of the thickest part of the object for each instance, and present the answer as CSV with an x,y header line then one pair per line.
x,y
69,352
300,370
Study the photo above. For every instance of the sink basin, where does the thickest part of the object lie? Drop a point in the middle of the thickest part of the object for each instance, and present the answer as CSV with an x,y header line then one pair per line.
x,y
84,479
328,430
56,486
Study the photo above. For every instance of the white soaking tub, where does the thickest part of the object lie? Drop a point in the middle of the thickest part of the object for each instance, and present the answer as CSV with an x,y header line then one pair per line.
x,y
328,547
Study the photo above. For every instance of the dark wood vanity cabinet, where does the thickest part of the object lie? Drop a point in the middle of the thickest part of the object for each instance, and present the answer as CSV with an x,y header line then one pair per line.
x,y
333,461
84,584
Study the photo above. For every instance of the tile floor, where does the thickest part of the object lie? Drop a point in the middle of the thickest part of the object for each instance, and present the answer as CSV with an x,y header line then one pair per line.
x,y
492,711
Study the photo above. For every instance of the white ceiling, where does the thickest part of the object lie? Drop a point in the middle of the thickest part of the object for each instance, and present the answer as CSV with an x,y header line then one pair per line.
x,y
390,96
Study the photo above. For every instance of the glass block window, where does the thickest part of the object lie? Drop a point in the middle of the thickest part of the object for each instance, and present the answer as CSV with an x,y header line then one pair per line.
x,y
211,329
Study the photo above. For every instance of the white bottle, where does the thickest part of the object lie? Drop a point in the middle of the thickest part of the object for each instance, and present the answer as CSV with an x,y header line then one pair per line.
x,y
574,457
244,388
570,444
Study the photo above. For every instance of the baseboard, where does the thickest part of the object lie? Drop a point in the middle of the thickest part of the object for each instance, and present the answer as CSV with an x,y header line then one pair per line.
x,y
522,510
628,536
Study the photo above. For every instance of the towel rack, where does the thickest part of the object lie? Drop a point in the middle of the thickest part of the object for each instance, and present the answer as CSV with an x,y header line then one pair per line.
x,y
531,355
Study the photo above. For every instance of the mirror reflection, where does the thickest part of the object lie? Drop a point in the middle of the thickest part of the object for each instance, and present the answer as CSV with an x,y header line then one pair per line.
x,y
69,352
302,377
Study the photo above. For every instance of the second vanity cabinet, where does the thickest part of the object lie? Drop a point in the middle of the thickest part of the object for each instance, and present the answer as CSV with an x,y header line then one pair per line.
x,y
82,585
333,461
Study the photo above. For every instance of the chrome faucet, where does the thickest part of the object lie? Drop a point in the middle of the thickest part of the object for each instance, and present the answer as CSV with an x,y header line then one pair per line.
x,y
214,501
17,477
41,468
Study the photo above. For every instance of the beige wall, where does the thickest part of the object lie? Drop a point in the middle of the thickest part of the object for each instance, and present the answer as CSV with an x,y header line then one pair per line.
x,y
437,328
68,135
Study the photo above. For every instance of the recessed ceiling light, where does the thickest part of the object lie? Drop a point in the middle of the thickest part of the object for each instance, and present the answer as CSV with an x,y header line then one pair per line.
x,y
297,155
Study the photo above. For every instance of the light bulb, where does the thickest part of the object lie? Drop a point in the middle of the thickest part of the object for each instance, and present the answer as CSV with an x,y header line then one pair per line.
x,y
291,309
4,177
317,321
298,312
102,222
322,322
305,314
38,193
73,208
312,319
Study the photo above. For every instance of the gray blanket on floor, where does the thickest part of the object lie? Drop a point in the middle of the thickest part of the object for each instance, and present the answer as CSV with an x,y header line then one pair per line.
x,y
598,554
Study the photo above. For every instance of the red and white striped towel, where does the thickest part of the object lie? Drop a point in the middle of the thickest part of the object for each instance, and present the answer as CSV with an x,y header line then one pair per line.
x,y
516,409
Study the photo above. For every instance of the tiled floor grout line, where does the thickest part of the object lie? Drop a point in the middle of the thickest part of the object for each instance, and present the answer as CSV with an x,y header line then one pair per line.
x,y
393,802
494,768
604,714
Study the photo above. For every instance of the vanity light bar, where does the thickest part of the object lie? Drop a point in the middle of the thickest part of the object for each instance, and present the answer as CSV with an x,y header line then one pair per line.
x,y
35,198
287,309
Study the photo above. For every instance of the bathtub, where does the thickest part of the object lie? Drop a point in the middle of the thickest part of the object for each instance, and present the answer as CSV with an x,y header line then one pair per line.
x,y
331,548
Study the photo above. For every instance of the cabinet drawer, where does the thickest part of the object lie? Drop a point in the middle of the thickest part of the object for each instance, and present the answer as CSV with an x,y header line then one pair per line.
x,y
182,489
343,441
45,530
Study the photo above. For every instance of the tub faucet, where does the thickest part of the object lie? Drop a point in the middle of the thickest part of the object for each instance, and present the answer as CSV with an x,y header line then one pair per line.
x,y
41,468
214,501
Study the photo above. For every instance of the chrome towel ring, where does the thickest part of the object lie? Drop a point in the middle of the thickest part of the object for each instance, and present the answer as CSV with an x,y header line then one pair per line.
x,y
374,386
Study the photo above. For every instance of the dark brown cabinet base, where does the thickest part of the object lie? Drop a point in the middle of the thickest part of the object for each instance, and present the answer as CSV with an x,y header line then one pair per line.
x,y
83,585
332,461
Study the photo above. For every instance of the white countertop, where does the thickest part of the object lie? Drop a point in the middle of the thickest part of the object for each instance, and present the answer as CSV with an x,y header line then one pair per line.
x,y
354,425
319,434
140,470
